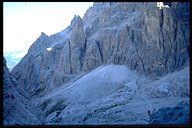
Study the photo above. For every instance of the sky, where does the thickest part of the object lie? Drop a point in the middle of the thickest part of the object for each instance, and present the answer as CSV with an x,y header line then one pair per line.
x,y
23,22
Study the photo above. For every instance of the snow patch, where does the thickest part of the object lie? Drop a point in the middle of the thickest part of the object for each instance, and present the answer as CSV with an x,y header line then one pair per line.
x,y
49,49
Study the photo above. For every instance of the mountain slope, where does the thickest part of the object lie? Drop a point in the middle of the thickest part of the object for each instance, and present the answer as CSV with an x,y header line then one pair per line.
x,y
107,95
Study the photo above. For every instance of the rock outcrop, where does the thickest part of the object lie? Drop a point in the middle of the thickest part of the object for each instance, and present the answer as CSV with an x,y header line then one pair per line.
x,y
93,56
77,45
152,41
171,115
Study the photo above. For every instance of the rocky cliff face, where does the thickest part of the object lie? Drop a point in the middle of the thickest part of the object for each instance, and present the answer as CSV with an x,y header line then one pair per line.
x,y
17,107
114,66
152,41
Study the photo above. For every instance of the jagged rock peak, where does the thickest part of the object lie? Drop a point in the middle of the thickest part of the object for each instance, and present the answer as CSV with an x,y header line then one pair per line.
x,y
77,44
76,19
43,35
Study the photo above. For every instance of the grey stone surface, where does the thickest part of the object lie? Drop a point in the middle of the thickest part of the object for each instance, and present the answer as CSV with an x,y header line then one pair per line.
x,y
172,115
146,38
152,41
77,45
93,56
57,74
175,84
112,95
17,108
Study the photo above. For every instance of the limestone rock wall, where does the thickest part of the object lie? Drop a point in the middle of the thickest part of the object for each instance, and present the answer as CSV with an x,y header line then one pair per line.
x,y
152,41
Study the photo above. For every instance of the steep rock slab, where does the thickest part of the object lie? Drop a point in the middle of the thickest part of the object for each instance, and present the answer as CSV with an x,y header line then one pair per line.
x,y
140,27
93,56
77,45
38,73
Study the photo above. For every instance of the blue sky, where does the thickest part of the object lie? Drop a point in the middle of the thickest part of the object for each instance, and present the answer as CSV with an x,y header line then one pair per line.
x,y
23,22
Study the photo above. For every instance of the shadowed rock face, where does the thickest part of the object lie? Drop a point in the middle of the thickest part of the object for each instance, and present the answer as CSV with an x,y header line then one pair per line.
x,y
16,103
147,39
77,45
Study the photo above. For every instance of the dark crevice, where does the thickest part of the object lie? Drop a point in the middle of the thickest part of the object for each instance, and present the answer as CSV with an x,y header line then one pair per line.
x,y
161,30
118,43
185,40
100,51
161,19
176,56
82,56
132,36
133,42
175,61
70,58
175,34
140,58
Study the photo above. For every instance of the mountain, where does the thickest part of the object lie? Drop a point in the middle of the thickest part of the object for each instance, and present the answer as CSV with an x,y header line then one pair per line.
x,y
118,33
111,67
